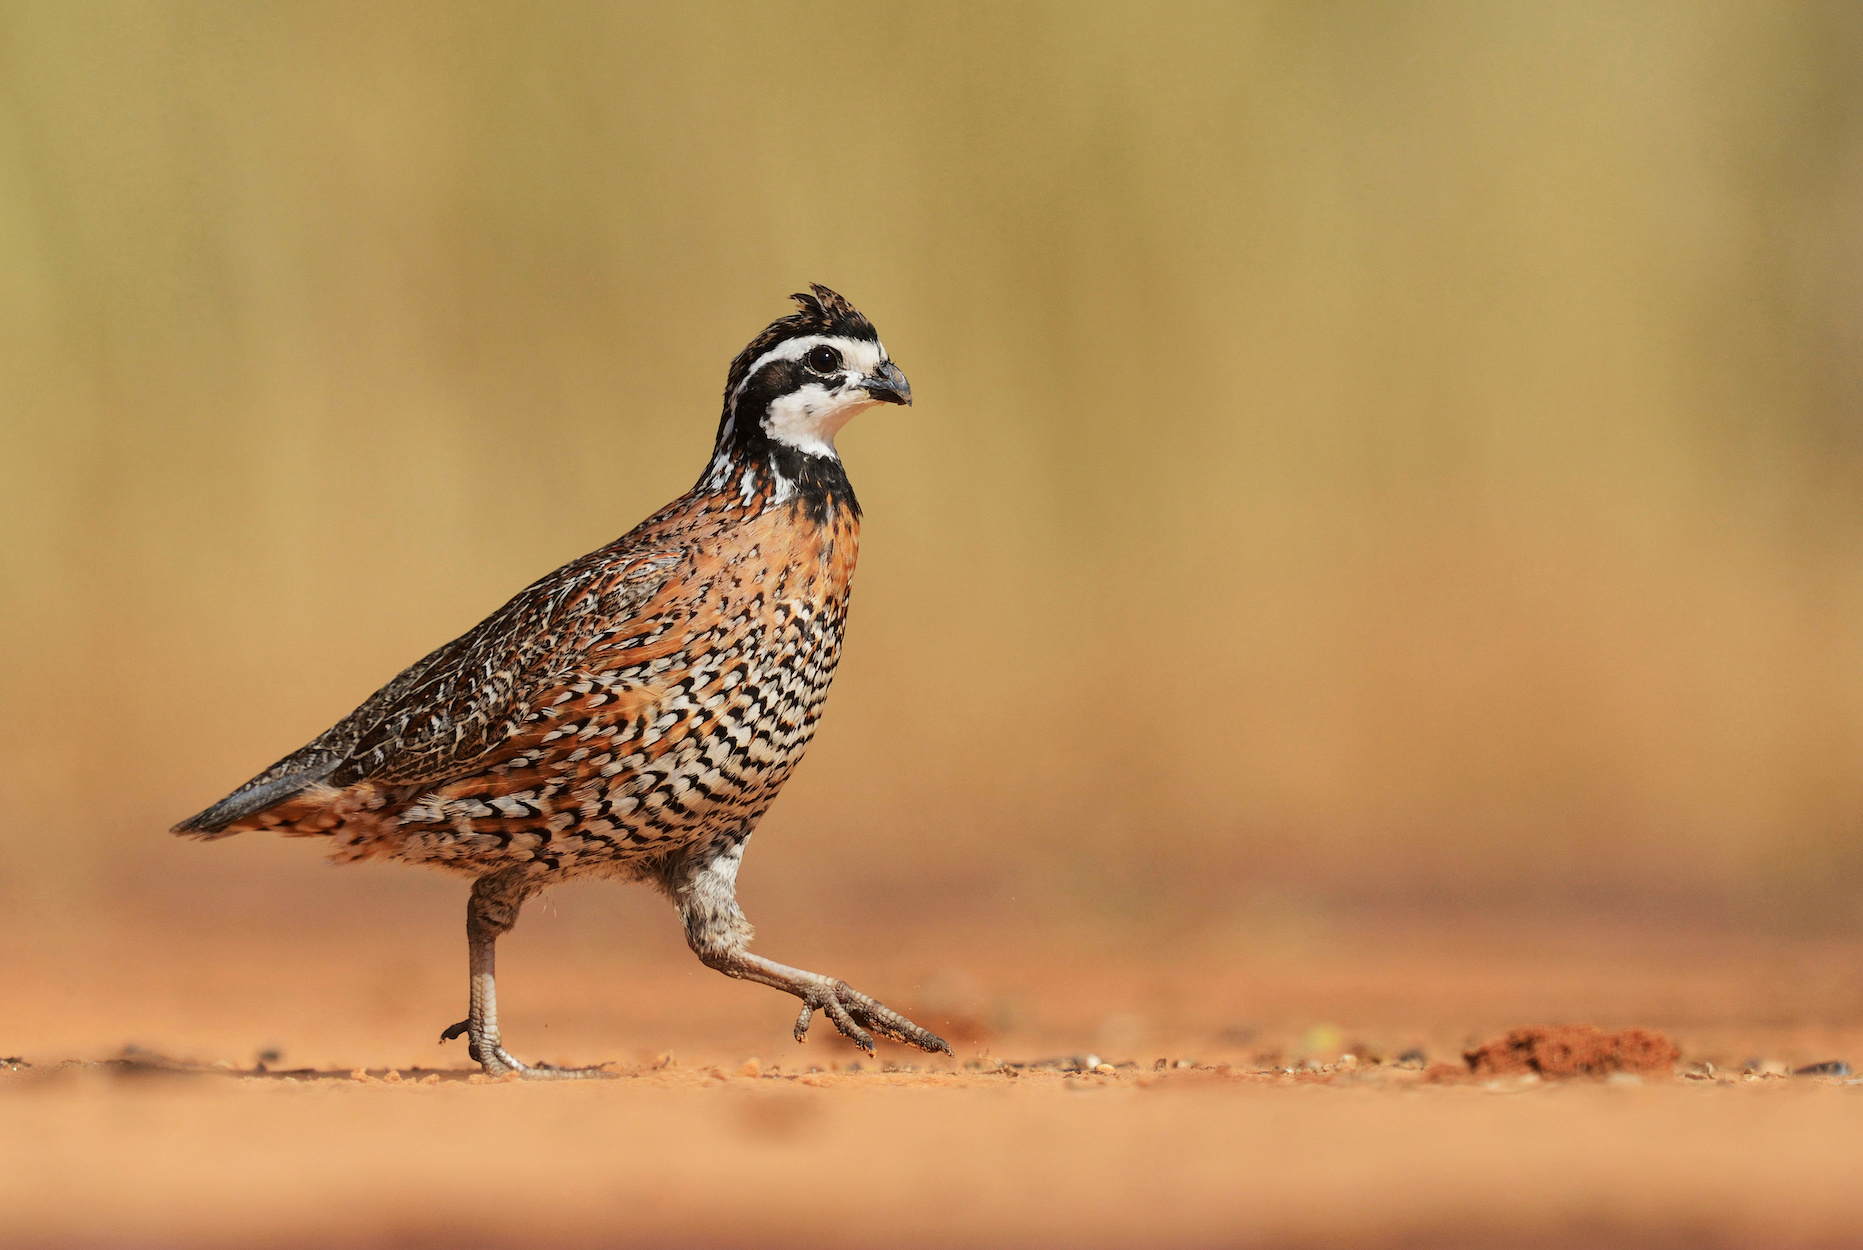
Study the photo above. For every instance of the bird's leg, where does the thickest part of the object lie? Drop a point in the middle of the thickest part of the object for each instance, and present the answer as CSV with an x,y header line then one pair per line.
x,y
490,914
704,888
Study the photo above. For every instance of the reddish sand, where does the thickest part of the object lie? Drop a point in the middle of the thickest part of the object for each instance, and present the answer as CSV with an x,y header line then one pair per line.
x,y
1567,1051
1256,1129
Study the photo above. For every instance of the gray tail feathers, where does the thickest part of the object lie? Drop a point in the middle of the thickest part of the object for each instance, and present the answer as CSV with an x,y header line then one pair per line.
x,y
253,798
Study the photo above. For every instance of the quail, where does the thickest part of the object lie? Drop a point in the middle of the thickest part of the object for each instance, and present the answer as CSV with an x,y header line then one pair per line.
x,y
633,714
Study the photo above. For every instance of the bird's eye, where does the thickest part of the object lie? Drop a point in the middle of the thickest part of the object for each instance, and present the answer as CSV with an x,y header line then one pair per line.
x,y
823,359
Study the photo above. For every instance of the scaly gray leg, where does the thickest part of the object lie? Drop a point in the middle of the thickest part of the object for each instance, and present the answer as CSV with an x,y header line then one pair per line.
x,y
490,914
704,888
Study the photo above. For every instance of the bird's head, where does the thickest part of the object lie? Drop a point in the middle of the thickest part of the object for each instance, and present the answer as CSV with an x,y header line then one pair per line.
x,y
806,375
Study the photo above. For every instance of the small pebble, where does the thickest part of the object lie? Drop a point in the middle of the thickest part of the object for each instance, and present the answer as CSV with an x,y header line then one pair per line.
x,y
1104,1069
751,1068
1830,1067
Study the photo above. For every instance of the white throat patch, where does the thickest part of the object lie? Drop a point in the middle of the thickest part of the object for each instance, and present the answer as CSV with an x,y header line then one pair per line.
x,y
808,418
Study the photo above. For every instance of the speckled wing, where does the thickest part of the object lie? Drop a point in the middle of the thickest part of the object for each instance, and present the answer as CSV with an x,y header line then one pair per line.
x,y
518,661
447,712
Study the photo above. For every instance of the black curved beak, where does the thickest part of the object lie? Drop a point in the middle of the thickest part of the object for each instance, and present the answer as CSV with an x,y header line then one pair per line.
x,y
888,385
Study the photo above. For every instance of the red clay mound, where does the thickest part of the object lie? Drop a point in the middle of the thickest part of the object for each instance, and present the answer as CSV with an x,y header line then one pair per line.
x,y
1569,1050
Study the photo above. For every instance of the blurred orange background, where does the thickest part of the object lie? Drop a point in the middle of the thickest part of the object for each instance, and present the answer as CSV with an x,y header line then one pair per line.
x,y
1367,456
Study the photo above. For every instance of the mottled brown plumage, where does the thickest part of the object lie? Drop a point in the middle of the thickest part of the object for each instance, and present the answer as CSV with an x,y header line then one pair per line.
x,y
634,713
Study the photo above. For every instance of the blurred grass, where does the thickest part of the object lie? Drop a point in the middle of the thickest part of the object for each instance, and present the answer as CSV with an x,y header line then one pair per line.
x,y
1384,452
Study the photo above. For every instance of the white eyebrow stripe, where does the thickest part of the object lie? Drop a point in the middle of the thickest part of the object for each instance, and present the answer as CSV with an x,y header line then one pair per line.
x,y
863,355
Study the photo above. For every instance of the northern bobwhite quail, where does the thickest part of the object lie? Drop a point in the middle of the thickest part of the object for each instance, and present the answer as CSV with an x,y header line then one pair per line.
x,y
634,713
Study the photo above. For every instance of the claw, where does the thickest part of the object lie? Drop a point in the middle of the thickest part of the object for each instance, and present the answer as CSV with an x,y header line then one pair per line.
x,y
845,1022
849,1009
502,1064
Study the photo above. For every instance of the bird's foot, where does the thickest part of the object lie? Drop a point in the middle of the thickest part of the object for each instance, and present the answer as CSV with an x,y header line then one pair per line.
x,y
850,1009
497,1061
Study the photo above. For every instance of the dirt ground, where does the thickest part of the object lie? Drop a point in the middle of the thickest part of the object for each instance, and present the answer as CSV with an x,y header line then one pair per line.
x,y
1257,1129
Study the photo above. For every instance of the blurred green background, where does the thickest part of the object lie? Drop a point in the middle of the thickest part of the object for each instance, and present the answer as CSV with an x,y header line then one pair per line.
x,y
1365,454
